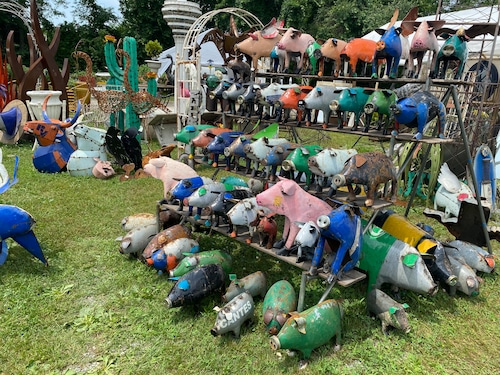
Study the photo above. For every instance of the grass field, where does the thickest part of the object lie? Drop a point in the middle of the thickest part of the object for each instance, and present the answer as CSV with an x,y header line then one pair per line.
x,y
96,311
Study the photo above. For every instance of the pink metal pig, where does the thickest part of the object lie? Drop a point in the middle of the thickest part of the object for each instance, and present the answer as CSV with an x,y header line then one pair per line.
x,y
294,41
287,198
168,170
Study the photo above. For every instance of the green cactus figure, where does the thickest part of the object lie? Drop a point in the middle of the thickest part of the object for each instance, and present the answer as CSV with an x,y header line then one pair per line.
x,y
117,72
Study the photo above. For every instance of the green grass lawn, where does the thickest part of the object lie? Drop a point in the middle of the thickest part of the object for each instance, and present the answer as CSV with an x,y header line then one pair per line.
x,y
96,311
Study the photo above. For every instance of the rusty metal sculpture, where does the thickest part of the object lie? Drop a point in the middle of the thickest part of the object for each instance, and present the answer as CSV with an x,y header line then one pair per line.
x,y
142,101
45,60
109,101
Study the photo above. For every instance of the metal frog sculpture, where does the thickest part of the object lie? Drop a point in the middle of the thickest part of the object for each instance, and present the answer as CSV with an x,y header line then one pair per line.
x,y
417,110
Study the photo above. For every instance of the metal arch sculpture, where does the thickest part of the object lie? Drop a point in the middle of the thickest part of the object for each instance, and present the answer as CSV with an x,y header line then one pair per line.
x,y
21,12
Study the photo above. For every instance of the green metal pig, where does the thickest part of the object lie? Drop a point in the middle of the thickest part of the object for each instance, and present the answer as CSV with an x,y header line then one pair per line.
x,y
192,261
311,328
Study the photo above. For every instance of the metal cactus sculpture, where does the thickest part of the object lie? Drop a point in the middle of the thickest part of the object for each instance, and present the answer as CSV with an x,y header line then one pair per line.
x,y
118,75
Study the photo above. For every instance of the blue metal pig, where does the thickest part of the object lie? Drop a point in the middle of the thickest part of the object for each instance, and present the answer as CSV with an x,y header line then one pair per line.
x,y
18,224
277,154
342,225
219,144
417,110
185,188
389,47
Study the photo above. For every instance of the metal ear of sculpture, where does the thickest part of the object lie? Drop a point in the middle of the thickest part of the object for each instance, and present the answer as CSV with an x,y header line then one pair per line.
x,y
5,181
18,225
12,120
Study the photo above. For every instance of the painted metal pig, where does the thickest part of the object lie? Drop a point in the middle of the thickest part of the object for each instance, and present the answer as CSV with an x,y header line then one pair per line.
x,y
294,42
453,49
165,236
311,328
306,240
224,202
389,47
189,132
435,255
341,226
216,93
260,43
275,157
205,195
201,282
297,161
203,258
423,40
328,163
137,220
169,171
353,100
231,317
467,280
287,198
103,169
390,312
137,238
258,150
168,256
417,110
388,260
185,187
240,68
217,146
18,224
232,93
207,135
368,169
255,284
331,50
248,99
244,213
279,302
358,50
267,229
268,97
319,99
380,102
471,254
290,100
235,151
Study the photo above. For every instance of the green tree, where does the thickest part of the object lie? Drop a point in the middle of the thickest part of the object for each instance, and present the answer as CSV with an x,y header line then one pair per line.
x,y
144,21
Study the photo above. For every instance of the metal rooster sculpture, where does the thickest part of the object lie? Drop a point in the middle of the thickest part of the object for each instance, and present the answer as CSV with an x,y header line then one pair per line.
x,y
142,101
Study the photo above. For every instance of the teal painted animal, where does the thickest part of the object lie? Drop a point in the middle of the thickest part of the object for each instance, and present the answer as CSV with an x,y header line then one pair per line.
x,y
279,301
192,261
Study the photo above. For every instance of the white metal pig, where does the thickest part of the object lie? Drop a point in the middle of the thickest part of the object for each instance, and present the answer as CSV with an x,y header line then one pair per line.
x,y
473,255
136,240
306,240
255,284
137,220
329,162
230,318
244,213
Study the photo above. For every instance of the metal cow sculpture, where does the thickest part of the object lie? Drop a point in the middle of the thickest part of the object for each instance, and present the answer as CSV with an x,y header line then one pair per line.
x,y
56,149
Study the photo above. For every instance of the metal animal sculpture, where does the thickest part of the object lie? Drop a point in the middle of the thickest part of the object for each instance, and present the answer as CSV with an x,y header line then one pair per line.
x,y
142,101
109,101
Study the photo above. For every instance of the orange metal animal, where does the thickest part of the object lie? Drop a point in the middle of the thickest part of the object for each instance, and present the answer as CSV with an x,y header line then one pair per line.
x,y
356,50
